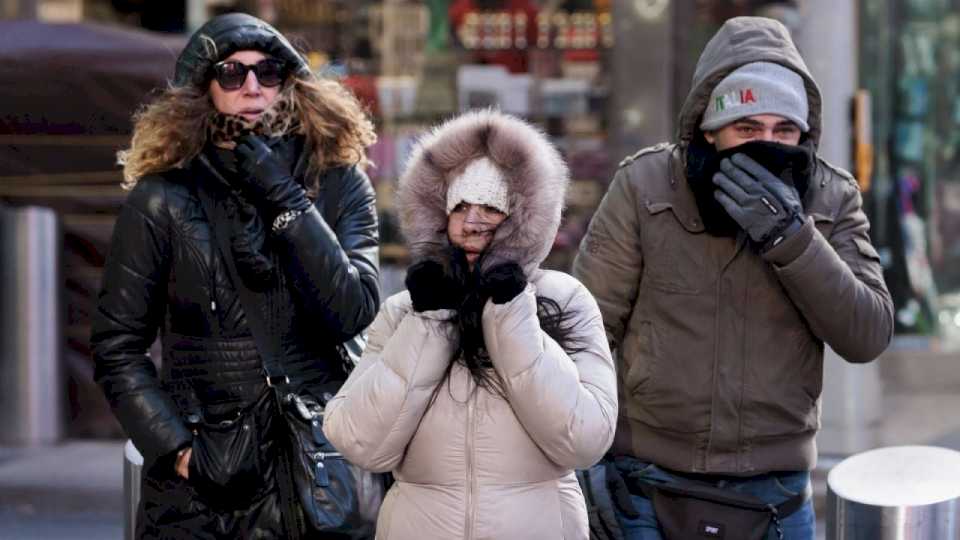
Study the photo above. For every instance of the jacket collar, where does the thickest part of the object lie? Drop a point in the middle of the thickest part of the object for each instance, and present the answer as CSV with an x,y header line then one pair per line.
x,y
675,195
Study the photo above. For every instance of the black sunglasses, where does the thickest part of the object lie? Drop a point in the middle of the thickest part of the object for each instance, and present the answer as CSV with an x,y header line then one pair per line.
x,y
232,74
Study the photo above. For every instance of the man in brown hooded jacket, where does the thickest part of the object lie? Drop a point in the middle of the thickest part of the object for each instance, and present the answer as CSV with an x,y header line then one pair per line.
x,y
721,269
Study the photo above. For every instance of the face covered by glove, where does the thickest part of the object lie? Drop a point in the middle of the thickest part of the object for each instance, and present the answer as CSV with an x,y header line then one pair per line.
x,y
266,174
759,185
503,282
789,163
451,284
438,284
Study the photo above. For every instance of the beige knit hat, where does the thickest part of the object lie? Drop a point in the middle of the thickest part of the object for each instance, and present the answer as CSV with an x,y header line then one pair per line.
x,y
481,182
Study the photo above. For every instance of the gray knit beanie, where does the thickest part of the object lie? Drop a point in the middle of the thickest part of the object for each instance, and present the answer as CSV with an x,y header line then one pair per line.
x,y
757,88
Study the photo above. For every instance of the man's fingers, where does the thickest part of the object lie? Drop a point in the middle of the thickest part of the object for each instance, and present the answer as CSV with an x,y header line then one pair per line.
x,y
734,191
728,204
786,194
743,179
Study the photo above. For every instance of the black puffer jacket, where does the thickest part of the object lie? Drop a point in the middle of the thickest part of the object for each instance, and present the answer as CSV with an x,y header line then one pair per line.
x,y
165,273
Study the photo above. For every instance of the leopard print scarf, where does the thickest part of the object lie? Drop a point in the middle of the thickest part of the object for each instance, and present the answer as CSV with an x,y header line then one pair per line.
x,y
248,241
278,120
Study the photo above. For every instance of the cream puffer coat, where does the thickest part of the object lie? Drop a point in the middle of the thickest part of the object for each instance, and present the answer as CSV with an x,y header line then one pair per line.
x,y
468,463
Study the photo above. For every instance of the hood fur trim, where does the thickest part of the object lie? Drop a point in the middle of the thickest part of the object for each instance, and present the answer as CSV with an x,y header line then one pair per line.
x,y
536,176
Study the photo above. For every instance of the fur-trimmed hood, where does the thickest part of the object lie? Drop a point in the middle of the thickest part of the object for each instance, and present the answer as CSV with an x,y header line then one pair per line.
x,y
536,175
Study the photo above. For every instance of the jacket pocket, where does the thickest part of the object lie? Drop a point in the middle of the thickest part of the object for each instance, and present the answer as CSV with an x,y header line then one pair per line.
x,y
225,465
664,386
867,265
673,261
640,351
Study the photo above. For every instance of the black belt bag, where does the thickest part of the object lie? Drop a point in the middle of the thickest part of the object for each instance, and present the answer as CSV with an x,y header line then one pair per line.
x,y
689,509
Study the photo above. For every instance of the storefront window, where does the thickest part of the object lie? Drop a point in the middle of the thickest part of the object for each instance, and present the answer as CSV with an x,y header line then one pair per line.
x,y
414,64
910,61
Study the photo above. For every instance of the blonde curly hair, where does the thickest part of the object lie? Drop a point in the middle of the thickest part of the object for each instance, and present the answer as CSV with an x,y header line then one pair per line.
x,y
172,130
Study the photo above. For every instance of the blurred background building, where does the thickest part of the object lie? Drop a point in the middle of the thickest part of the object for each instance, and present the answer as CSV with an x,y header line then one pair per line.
x,y
602,77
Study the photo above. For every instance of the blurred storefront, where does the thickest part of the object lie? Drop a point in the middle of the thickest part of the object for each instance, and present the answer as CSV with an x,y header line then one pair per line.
x,y
411,63
910,62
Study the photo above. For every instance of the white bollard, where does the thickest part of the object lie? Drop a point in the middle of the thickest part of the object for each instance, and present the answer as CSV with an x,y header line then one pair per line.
x,y
132,468
895,493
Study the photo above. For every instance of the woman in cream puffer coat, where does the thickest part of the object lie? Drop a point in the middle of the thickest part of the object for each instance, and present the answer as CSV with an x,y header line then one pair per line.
x,y
489,380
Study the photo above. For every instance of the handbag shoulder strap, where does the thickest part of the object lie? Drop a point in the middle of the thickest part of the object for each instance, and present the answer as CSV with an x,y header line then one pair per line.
x,y
253,303
253,308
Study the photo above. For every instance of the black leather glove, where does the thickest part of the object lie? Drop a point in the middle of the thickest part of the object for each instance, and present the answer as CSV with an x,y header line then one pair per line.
x,y
503,282
763,205
433,285
267,176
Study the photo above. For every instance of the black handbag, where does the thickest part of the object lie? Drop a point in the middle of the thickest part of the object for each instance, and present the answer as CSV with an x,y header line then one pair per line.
x,y
224,466
688,509
335,496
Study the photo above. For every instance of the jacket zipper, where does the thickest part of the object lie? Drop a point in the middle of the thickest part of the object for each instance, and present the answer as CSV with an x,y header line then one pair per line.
x,y
322,477
471,477
213,278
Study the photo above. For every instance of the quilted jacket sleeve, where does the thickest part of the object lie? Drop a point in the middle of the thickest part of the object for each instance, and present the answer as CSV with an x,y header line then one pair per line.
x,y
130,310
376,412
566,402
334,266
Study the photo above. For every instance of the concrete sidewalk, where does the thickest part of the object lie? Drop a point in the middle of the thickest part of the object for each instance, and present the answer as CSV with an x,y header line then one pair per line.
x,y
72,491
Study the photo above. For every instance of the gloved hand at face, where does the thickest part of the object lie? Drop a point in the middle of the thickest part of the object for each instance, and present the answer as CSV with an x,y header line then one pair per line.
x,y
267,175
503,282
768,209
434,284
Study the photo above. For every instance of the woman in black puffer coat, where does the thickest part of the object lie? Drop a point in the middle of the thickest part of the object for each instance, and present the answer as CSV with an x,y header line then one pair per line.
x,y
245,175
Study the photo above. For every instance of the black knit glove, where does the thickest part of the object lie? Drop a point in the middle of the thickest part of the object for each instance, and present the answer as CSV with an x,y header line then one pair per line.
x,y
267,176
434,285
503,282
763,205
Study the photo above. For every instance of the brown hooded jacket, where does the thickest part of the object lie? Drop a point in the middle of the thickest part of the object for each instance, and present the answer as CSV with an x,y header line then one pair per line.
x,y
720,350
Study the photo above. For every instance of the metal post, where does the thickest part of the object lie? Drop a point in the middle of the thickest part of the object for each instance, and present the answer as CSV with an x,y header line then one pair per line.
x,y
895,493
31,393
827,39
642,75
132,471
